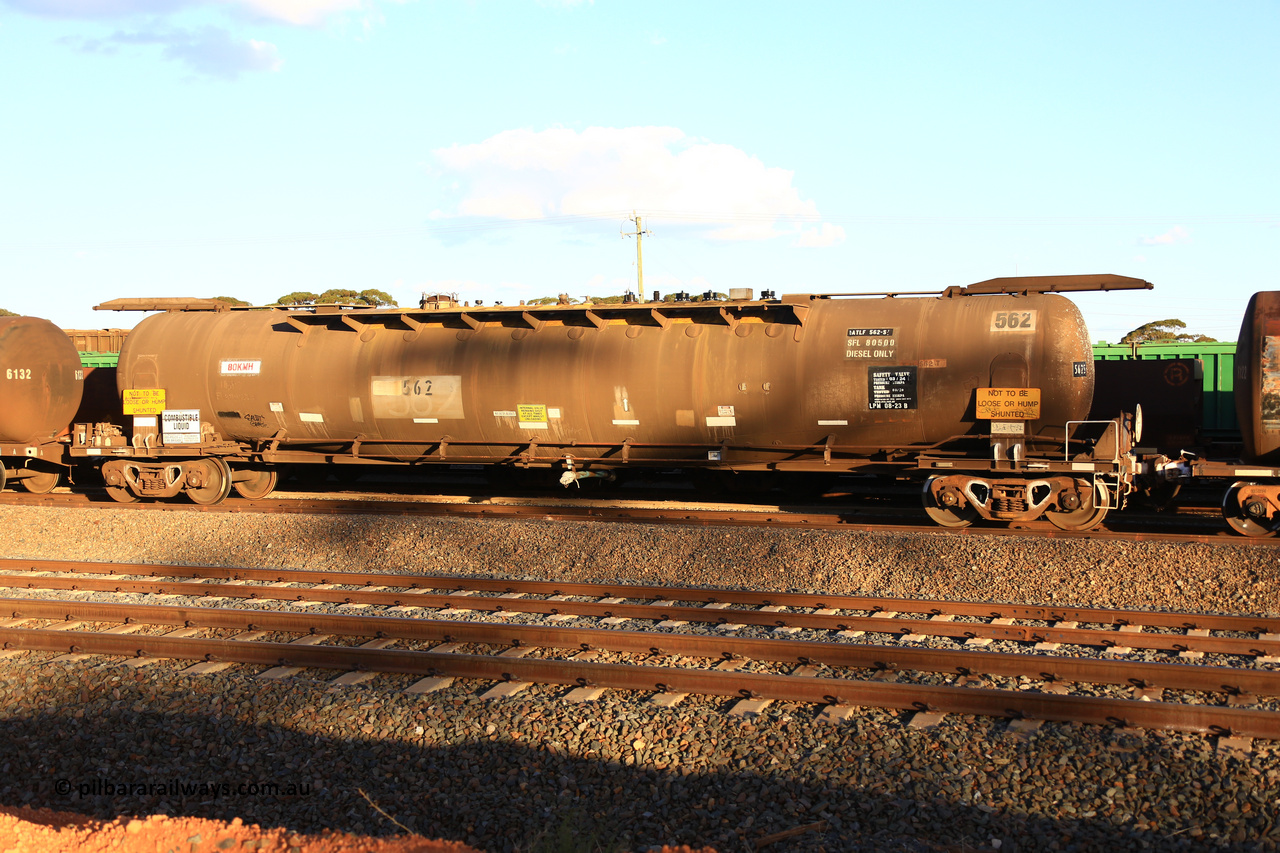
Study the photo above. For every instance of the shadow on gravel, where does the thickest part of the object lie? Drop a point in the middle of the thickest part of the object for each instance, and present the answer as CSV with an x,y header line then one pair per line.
x,y
528,776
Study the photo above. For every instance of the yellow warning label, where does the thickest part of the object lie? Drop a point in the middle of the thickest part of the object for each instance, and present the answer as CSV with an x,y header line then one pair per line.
x,y
144,401
1008,404
530,413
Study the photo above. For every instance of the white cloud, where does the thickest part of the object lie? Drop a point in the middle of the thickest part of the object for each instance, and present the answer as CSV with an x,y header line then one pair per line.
x,y
307,13
825,234
660,171
207,50
1176,234
217,53
97,8
296,12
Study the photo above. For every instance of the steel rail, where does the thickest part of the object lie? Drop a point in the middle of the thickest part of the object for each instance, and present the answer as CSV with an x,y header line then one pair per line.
x,y
946,699
1213,679
902,504
668,594
832,521
665,611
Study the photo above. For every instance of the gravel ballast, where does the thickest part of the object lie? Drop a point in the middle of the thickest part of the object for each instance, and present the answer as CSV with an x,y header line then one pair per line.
x,y
532,772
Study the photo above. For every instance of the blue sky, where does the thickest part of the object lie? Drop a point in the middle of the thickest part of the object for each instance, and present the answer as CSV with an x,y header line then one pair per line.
x,y
252,148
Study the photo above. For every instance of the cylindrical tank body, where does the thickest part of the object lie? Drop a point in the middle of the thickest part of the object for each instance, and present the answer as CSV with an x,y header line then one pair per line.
x,y
873,373
40,380
1257,378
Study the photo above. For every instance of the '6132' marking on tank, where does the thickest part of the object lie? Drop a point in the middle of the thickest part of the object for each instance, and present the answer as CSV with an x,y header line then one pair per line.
x,y
17,373
1013,321
418,397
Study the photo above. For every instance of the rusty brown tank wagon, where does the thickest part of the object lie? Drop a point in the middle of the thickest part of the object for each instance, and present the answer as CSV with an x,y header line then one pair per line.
x,y
41,382
1251,503
980,391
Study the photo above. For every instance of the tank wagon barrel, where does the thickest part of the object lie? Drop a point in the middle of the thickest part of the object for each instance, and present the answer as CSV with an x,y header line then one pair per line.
x,y
984,390
664,385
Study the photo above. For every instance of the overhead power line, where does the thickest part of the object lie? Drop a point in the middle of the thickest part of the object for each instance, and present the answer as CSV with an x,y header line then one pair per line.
x,y
480,225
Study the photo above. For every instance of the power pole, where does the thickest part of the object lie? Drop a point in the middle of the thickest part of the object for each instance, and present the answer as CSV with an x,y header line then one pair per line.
x,y
638,234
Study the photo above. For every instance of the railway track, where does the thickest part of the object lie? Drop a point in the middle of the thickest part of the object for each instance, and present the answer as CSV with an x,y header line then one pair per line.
x,y
837,652
1192,526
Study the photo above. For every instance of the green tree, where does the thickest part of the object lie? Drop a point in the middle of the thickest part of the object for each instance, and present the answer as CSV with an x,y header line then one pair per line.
x,y
298,297
1163,330
337,296
377,298
232,300
4,313
371,297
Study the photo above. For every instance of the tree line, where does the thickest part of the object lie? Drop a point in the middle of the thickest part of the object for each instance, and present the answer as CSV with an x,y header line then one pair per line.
x,y
334,296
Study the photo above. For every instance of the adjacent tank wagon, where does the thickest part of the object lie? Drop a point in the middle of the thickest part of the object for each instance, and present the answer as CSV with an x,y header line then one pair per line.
x,y
1251,505
41,382
1258,379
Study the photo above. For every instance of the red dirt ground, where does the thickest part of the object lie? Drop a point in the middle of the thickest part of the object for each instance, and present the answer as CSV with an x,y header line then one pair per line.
x,y
26,830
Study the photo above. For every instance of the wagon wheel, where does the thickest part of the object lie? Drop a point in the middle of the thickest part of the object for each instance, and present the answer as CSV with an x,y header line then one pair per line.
x,y
259,485
121,494
3,476
40,482
214,475
947,516
1088,516
1257,526
117,482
